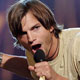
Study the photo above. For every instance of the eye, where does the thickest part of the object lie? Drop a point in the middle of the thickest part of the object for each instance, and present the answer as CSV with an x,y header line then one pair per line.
x,y
22,33
35,28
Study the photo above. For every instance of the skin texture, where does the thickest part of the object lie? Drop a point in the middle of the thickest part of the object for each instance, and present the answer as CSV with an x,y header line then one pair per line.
x,y
35,34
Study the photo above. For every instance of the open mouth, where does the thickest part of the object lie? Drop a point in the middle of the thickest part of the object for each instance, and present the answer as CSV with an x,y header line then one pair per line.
x,y
36,47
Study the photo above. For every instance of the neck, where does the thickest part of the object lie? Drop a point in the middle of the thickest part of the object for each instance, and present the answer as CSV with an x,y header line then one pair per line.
x,y
54,49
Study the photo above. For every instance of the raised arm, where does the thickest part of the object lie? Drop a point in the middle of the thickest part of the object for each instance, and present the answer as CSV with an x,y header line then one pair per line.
x,y
15,64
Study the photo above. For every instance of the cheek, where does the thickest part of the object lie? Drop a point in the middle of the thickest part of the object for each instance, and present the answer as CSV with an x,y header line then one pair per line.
x,y
47,38
46,41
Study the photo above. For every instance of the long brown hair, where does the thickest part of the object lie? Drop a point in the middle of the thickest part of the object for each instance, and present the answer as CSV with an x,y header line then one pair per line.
x,y
42,13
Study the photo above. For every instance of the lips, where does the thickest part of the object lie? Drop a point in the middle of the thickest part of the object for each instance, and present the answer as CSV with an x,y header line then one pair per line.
x,y
36,47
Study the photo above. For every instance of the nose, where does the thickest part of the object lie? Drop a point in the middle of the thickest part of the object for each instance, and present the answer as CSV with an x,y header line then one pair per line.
x,y
31,38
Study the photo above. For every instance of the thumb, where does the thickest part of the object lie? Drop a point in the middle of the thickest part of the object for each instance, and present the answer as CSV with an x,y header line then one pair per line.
x,y
31,68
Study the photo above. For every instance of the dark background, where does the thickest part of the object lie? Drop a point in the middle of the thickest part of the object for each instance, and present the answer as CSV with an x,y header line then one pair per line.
x,y
67,12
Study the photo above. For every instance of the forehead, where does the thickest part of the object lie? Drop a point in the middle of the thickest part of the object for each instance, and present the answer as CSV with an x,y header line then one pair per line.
x,y
29,20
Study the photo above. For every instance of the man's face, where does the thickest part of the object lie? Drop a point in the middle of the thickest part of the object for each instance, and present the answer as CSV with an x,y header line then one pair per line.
x,y
35,35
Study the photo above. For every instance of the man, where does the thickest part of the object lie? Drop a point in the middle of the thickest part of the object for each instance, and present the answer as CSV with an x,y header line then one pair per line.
x,y
34,27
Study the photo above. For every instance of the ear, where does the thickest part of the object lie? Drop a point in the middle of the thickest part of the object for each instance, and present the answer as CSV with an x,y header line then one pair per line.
x,y
51,29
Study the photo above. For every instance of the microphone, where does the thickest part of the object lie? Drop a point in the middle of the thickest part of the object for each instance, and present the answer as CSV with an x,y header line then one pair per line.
x,y
39,56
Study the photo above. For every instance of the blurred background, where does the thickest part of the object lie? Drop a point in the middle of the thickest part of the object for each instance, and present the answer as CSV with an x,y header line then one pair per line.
x,y
66,12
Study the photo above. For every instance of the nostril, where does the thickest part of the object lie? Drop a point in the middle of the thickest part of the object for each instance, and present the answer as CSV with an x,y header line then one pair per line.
x,y
30,42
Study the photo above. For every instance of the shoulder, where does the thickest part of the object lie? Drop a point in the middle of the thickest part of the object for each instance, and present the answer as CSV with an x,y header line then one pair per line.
x,y
71,39
76,45
70,34
76,48
71,30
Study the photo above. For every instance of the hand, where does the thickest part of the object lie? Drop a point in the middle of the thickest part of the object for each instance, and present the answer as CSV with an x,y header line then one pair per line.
x,y
44,69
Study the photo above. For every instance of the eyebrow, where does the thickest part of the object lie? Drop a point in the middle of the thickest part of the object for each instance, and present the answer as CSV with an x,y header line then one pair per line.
x,y
35,25
24,32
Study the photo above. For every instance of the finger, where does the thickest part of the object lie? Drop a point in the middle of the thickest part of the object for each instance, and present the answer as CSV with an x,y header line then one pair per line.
x,y
44,63
31,68
39,74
